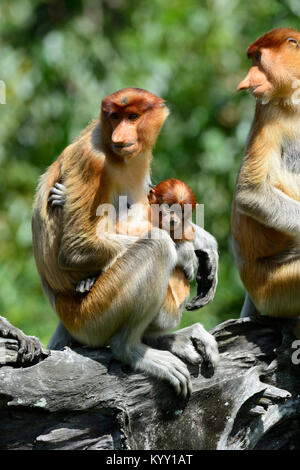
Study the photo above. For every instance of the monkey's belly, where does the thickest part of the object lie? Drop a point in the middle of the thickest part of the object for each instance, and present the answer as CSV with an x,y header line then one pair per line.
x,y
256,241
274,288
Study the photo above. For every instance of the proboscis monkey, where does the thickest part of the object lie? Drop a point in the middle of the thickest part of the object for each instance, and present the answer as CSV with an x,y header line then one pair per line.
x,y
266,208
30,350
177,202
111,158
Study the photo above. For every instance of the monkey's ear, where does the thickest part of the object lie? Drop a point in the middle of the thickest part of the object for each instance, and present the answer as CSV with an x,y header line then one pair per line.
x,y
152,196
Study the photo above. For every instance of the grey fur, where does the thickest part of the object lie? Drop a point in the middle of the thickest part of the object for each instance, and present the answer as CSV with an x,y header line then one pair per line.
x,y
60,338
280,212
248,309
290,155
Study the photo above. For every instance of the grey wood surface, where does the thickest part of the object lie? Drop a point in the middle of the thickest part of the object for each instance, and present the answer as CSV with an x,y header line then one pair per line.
x,y
84,399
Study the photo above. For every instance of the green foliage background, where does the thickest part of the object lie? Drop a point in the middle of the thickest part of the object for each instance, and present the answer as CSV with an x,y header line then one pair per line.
x,y
59,58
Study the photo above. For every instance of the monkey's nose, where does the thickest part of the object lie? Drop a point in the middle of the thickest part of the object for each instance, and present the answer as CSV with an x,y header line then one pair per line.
x,y
244,84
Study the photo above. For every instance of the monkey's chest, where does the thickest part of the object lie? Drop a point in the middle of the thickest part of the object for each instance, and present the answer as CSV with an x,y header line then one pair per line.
x,y
130,208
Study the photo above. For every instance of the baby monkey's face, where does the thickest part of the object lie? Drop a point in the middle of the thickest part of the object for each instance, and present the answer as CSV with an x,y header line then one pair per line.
x,y
175,220
172,203
171,215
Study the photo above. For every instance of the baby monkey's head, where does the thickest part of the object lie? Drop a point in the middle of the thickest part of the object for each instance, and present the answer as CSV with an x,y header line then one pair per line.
x,y
175,202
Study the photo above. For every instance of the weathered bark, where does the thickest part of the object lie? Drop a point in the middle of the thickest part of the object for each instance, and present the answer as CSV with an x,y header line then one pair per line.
x,y
83,399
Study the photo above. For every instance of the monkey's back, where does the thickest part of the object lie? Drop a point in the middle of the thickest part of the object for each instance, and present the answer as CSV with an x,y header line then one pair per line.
x,y
47,232
48,222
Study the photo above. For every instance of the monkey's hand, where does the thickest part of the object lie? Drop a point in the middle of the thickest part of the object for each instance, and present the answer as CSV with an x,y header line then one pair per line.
x,y
30,348
85,285
192,344
187,259
57,195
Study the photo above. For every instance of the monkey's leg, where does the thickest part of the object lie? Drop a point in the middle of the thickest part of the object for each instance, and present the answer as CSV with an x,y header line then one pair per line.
x,y
123,302
248,309
60,338
193,343
127,345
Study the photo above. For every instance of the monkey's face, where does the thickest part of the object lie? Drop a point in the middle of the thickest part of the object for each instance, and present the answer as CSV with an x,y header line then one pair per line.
x,y
124,135
177,222
275,65
131,120
173,219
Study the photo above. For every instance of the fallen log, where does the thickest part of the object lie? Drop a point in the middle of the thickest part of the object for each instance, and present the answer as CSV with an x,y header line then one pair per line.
x,y
84,399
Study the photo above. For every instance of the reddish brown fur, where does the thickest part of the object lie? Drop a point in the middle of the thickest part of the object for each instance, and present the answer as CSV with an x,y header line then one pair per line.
x,y
133,100
272,40
173,191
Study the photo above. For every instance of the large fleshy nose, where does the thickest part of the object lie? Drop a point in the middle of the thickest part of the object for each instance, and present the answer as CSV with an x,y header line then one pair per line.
x,y
119,135
245,83
123,135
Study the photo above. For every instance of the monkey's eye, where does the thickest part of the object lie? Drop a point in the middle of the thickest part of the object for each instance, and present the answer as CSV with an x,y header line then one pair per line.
x,y
114,116
258,55
133,116
292,41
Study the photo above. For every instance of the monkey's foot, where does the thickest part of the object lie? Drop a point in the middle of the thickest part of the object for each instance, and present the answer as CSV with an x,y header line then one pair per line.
x,y
164,365
30,348
85,285
194,344
58,195
160,364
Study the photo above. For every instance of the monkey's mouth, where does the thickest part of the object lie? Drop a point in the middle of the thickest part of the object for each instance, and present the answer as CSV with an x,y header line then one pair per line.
x,y
254,88
260,90
124,146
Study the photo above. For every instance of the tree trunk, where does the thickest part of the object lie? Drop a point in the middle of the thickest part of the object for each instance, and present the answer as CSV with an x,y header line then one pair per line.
x,y
84,399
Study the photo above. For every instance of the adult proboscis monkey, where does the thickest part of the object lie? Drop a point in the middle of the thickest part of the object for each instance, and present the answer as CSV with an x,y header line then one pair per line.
x,y
266,208
130,299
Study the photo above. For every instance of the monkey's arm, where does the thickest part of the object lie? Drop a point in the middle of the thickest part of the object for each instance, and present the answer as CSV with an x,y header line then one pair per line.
x,y
30,348
270,206
86,252
93,253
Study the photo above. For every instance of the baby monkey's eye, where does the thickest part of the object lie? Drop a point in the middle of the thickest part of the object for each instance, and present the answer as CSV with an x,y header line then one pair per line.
x,y
133,116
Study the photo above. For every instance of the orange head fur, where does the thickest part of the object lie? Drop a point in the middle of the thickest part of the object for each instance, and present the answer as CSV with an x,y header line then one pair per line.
x,y
275,65
177,201
131,120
